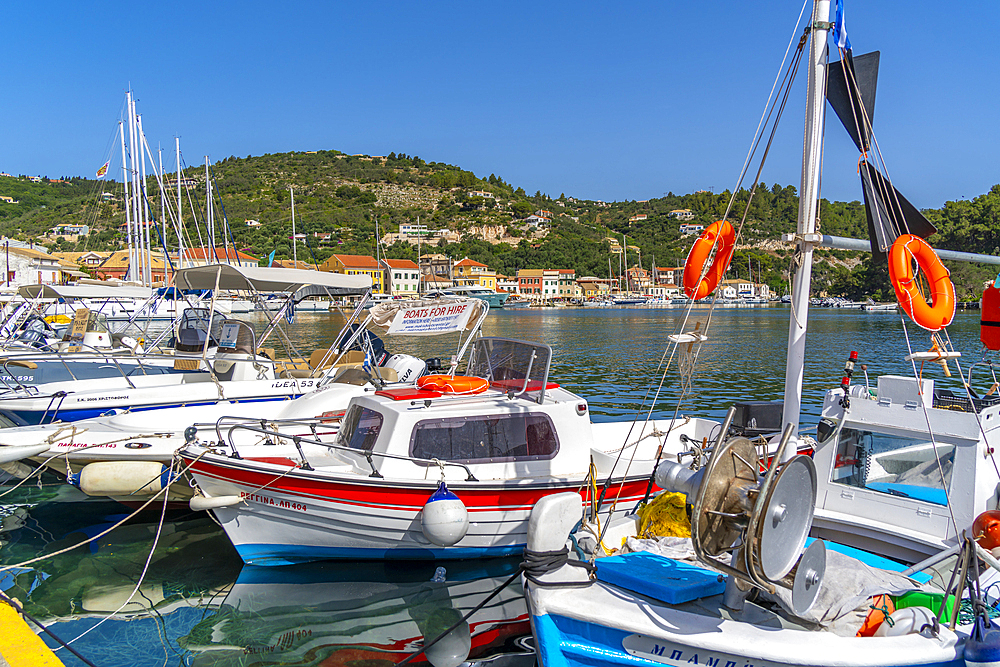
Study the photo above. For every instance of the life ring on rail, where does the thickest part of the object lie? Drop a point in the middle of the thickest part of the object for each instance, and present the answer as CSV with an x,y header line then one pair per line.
x,y
721,236
454,384
941,310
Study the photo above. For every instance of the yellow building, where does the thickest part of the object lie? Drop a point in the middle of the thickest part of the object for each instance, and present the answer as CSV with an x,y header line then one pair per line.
x,y
357,265
471,272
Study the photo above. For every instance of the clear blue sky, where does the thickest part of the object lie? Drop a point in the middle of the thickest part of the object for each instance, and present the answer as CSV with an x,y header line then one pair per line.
x,y
608,101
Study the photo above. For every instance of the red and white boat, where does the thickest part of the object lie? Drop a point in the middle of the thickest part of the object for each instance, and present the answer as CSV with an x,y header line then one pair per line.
x,y
374,490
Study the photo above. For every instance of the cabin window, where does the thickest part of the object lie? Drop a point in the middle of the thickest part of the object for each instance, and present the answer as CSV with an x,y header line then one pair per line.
x,y
360,428
897,466
485,439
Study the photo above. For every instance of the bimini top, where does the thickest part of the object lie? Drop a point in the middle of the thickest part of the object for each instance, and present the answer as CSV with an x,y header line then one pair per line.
x,y
269,279
73,292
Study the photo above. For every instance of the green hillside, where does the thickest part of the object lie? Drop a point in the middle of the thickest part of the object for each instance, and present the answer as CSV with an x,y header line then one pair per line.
x,y
347,196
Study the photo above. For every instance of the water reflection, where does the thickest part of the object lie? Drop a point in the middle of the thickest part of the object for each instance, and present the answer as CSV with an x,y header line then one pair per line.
x,y
361,615
195,606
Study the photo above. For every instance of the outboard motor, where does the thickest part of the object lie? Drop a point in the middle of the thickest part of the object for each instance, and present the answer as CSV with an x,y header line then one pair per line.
x,y
408,368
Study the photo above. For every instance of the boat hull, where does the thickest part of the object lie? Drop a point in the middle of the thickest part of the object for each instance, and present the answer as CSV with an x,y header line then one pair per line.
x,y
296,516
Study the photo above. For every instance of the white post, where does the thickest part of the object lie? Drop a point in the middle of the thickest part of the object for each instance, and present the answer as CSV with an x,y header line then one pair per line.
x,y
812,152
295,250
133,261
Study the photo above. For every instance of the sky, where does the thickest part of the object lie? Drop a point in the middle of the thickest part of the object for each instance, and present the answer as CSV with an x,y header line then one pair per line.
x,y
597,100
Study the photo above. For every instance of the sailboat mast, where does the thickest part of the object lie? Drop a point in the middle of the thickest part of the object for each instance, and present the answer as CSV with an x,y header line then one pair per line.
x,y
805,236
210,222
180,218
295,248
128,202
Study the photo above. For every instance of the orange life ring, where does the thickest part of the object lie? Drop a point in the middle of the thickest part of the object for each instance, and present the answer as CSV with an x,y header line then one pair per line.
x,y
454,384
940,312
877,613
721,236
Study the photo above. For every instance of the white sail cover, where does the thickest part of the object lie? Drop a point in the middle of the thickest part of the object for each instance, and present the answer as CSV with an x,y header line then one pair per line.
x,y
427,317
269,279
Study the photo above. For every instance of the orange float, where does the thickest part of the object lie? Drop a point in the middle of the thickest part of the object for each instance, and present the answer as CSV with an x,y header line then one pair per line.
x,y
454,384
722,237
881,607
989,318
939,313
986,529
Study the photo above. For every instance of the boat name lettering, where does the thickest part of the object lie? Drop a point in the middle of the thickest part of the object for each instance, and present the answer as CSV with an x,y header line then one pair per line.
x,y
434,312
293,383
101,398
267,500
106,445
680,656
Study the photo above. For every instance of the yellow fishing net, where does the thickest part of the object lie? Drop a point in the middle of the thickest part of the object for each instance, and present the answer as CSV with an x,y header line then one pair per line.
x,y
665,517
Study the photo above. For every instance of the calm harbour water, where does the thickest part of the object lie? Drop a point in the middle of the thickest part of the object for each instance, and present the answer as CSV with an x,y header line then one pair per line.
x,y
197,605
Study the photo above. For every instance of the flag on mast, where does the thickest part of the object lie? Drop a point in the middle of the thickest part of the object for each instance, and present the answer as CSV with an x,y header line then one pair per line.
x,y
103,170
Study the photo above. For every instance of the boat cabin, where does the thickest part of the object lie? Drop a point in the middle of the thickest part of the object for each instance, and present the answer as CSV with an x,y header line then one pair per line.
x,y
885,485
521,425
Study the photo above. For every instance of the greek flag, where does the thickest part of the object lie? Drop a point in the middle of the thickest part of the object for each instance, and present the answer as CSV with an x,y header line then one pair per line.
x,y
290,313
366,366
840,29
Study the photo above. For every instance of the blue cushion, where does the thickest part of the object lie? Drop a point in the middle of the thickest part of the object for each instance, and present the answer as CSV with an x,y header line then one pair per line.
x,y
924,493
659,577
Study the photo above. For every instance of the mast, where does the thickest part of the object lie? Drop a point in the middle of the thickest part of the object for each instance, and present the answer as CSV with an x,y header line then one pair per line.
x,y
805,236
210,222
420,271
147,249
295,251
180,224
133,260
128,202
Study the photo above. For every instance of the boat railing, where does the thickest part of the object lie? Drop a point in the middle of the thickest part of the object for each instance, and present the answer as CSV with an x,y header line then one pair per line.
x,y
298,440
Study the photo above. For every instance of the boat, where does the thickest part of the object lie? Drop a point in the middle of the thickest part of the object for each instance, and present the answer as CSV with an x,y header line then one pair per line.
x,y
517,303
485,450
805,564
117,455
495,299
870,306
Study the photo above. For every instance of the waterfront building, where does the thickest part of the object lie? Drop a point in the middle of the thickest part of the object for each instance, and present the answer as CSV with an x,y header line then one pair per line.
x,y
357,265
470,272
403,277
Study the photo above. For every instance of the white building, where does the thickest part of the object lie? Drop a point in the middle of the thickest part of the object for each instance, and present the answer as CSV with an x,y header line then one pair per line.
x,y
687,230
29,266
403,277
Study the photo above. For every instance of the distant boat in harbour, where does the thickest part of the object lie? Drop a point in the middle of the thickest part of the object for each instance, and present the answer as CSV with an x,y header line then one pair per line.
x,y
495,299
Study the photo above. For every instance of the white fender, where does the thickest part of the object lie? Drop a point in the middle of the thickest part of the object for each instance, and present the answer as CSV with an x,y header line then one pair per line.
x,y
444,519
452,650
18,452
123,478
200,502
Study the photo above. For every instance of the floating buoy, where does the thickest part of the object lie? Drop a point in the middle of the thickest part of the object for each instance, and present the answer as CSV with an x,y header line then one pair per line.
x,y
986,529
124,478
983,651
444,518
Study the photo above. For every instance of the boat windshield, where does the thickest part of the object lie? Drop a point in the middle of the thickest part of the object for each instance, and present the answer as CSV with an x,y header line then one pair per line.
x,y
360,428
512,365
898,466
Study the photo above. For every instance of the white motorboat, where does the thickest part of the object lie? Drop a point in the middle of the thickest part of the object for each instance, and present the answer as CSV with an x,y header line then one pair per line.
x,y
365,493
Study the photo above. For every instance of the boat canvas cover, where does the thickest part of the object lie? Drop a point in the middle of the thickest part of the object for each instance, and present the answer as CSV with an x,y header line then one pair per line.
x,y
73,292
427,317
269,279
